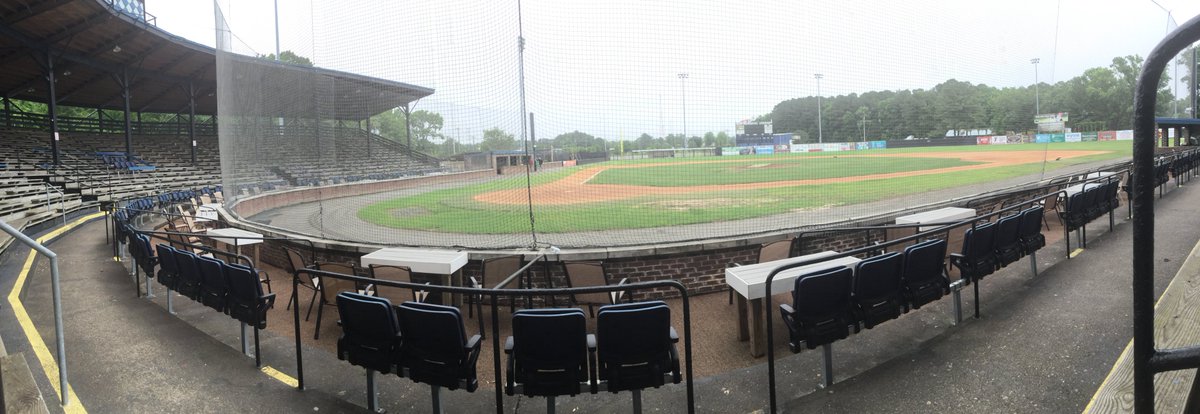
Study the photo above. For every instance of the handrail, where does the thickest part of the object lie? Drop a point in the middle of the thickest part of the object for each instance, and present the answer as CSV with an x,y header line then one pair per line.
x,y
56,289
1147,359
495,325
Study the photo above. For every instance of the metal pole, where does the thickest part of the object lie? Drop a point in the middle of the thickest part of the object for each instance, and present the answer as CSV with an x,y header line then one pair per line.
x,y
1037,99
820,133
56,292
128,126
52,106
683,93
192,119
277,30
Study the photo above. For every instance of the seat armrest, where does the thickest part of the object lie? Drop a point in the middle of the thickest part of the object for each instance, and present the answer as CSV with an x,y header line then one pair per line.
x,y
508,346
674,336
421,295
786,310
475,283
591,342
369,289
593,369
473,343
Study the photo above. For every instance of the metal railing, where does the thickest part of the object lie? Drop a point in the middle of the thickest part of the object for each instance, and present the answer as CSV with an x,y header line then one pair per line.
x,y
55,286
494,294
1147,359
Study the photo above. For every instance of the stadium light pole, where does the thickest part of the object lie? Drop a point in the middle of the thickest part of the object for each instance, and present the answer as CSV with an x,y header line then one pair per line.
x,y
683,93
1037,99
820,134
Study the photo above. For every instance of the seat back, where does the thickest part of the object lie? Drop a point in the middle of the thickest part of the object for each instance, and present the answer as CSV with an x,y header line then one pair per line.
x,y
584,274
394,274
776,250
497,269
188,282
434,347
877,288
550,355
214,284
296,262
331,287
245,300
1008,231
823,307
167,270
1030,235
370,332
978,242
924,275
634,346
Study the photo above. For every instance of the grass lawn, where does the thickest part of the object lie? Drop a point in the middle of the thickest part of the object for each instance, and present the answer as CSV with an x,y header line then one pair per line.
x,y
454,210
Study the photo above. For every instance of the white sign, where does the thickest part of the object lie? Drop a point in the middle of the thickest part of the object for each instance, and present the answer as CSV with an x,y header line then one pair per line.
x,y
1125,135
1074,137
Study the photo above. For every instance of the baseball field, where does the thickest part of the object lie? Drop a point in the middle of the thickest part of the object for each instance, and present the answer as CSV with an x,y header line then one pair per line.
x,y
672,191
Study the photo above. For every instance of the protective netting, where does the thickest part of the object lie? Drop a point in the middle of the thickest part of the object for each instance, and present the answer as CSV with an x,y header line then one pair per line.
x,y
506,124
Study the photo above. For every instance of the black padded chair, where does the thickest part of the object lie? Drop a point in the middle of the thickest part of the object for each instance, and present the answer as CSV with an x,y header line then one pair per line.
x,y
167,271
188,283
636,348
1007,244
214,286
878,296
823,312
436,349
1072,215
146,260
550,353
246,301
924,277
370,336
978,258
1030,236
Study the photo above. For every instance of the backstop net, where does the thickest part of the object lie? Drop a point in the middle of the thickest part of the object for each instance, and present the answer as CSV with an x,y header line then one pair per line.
x,y
508,124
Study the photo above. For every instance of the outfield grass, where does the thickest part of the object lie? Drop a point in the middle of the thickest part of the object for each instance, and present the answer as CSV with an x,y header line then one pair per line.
x,y
454,210
755,170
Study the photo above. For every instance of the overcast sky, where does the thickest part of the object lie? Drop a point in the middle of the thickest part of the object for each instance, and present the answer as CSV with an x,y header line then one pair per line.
x,y
611,68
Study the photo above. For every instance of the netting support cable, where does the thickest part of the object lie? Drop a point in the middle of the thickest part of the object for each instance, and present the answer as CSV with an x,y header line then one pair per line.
x,y
525,127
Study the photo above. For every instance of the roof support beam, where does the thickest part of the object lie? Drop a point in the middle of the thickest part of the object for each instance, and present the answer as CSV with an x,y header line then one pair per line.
x,y
31,11
128,128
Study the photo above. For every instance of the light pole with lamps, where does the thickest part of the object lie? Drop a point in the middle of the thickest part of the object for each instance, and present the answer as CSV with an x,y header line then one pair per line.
x,y
820,134
683,93
1037,104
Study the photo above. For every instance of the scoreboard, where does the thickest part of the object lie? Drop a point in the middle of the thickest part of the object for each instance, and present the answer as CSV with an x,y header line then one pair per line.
x,y
754,133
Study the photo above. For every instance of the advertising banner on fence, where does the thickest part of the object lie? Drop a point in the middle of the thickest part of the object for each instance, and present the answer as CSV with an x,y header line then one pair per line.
x,y
999,139
859,146
783,148
764,149
983,140
1125,135
878,144
1073,137
1042,138
1106,135
1090,137
1058,137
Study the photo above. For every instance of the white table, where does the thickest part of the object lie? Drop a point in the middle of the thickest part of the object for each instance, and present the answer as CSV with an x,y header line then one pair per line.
x,y
235,238
207,212
1099,174
750,282
439,262
1077,188
941,215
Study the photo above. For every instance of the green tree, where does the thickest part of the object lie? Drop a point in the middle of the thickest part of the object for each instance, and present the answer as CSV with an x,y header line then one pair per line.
x,y
495,139
288,56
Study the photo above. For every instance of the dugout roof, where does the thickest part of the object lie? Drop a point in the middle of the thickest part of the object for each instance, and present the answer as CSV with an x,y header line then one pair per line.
x,y
94,44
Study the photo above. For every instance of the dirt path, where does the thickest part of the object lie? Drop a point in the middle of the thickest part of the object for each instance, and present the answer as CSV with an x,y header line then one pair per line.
x,y
573,189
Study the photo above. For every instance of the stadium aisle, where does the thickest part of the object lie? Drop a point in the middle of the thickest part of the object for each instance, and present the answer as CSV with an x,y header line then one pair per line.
x,y
1045,346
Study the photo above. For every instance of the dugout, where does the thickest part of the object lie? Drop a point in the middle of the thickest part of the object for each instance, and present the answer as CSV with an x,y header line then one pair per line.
x,y
1183,127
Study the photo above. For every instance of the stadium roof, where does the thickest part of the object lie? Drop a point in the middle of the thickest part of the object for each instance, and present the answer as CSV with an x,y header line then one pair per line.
x,y
1164,122
94,43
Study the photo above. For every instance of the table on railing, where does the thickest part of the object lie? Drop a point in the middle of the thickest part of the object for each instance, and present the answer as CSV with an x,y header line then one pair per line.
x,y
235,238
941,215
445,263
750,282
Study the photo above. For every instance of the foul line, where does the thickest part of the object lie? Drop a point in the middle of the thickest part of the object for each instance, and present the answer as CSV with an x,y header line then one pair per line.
x,y
45,358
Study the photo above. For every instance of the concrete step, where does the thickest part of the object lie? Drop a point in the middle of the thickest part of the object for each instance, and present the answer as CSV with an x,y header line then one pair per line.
x,y
21,394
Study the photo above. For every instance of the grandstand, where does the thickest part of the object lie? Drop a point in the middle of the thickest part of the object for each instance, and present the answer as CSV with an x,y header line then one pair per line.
x,y
234,215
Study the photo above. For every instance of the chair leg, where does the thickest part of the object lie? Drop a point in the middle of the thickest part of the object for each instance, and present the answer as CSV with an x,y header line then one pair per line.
x,y
289,304
257,352
637,401
550,405
310,305
827,367
437,398
320,310
730,289
372,396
